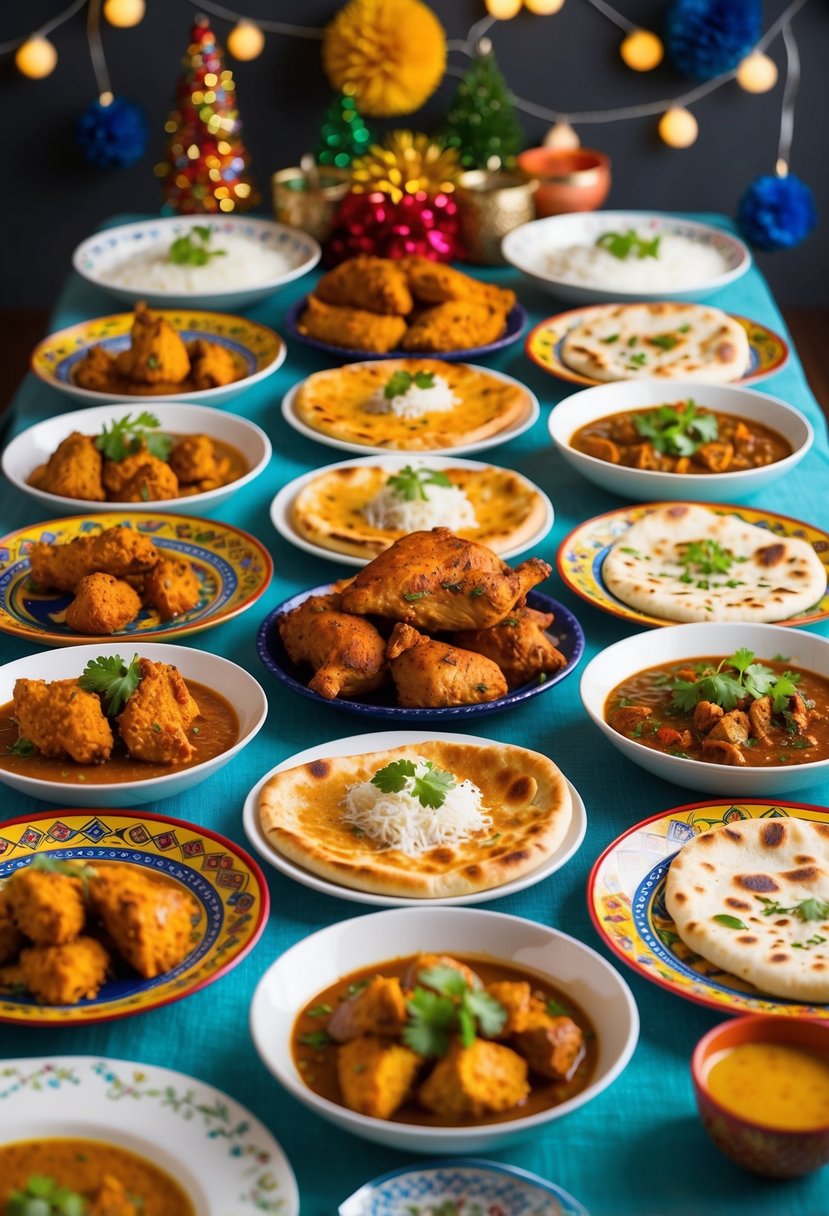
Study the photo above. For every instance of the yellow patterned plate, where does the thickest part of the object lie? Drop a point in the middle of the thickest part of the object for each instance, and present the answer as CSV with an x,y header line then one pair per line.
x,y
626,901
227,885
768,352
581,556
256,350
233,568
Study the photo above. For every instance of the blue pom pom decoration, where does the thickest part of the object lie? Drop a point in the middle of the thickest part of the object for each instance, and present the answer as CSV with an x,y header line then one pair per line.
x,y
777,212
705,38
113,136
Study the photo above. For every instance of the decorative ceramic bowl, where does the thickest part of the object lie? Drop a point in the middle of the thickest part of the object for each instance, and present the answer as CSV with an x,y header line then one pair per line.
x,y
570,179
318,960
648,485
34,446
624,659
774,1152
96,258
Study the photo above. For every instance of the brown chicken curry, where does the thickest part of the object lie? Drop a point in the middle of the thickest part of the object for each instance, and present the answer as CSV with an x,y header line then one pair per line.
x,y
444,1042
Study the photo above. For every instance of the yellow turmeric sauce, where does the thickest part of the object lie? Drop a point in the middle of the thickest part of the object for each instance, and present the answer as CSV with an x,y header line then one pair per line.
x,y
774,1084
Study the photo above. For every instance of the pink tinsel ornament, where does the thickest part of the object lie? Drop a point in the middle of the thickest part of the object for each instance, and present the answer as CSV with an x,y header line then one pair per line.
x,y
420,224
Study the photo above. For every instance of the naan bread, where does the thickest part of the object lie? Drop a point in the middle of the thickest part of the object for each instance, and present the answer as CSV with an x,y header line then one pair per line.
x,y
669,341
334,402
778,576
300,812
328,511
730,872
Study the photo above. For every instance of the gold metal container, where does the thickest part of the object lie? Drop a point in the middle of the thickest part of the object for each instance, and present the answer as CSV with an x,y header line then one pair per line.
x,y
308,201
491,202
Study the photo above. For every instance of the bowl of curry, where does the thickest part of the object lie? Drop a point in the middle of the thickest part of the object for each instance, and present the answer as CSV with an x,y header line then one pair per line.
x,y
100,725
661,439
733,708
481,1029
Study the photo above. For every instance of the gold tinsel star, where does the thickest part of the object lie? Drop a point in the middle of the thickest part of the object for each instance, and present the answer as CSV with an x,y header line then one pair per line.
x,y
406,163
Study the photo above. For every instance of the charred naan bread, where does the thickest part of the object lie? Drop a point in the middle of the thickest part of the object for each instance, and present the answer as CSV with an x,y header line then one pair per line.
x,y
669,341
752,898
301,812
663,565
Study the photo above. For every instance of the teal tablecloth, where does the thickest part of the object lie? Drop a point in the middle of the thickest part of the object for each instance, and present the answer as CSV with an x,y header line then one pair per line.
x,y
638,1149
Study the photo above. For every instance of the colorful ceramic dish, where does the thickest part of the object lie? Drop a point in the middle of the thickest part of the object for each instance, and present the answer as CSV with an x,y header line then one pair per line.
x,y
233,569
582,554
257,350
226,883
218,1152
626,900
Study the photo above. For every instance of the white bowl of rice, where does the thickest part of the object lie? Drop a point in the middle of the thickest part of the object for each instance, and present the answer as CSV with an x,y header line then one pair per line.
x,y
196,261
618,257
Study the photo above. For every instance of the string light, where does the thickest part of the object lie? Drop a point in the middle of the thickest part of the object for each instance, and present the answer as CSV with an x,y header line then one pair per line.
x,y
503,10
246,41
124,14
642,50
562,136
757,73
678,128
36,57
544,8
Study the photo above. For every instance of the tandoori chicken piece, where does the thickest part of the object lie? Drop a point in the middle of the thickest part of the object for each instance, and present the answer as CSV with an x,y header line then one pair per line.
x,y
211,364
47,907
437,581
425,962
346,652
436,283
73,470
518,644
172,587
376,284
155,723
62,719
193,460
110,1198
431,675
11,938
150,923
64,975
139,477
96,370
552,1045
474,1081
378,1009
455,325
102,604
352,327
376,1076
120,551
156,353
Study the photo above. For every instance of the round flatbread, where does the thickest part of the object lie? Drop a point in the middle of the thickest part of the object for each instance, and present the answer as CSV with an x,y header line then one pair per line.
x,y
762,576
301,813
753,898
335,403
328,510
668,341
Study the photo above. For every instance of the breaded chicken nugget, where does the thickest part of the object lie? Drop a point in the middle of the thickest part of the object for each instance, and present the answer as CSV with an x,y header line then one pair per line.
x,y
376,284
172,588
150,922
119,551
102,604
47,907
435,283
62,719
64,975
73,470
351,327
455,325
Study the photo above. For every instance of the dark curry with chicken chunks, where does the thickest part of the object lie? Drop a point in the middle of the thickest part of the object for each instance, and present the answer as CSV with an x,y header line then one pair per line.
x,y
681,438
738,710
445,1042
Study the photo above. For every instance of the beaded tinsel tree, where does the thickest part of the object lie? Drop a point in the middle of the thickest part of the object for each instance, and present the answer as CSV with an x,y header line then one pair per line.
x,y
481,124
343,134
206,163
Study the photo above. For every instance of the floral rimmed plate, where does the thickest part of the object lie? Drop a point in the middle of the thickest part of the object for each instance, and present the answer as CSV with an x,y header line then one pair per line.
x,y
256,350
233,568
626,901
219,1153
228,886
582,553
768,352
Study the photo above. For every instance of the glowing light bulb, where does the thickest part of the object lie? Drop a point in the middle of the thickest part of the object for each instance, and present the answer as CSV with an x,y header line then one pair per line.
x,y
757,73
642,51
245,40
678,127
36,57
123,14
544,8
562,135
503,9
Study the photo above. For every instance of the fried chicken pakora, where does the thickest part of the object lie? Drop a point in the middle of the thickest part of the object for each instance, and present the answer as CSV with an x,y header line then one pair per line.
x,y
171,587
196,466
518,644
73,470
375,284
155,721
455,325
119,551
150,923
46,907
346,652
111,1198
211,365
156,353
428,672
102,604
62,719
139,477
351,327
64,975
436,283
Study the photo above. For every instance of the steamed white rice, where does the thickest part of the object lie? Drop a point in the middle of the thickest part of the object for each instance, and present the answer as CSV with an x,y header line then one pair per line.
x,y
246,263
681,265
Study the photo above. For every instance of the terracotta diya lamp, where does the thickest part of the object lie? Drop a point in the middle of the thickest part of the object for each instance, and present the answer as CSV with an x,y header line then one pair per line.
x,y
571,179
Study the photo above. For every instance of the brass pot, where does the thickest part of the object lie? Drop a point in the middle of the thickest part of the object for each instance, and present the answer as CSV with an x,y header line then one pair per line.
x,y
309,203
490,204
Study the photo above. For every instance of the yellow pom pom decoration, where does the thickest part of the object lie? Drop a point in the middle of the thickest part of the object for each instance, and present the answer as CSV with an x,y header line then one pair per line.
x,y
389,55
405,164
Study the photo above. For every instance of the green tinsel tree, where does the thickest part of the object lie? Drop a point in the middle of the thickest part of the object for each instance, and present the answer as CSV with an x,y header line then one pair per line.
x,y
343,134
481,123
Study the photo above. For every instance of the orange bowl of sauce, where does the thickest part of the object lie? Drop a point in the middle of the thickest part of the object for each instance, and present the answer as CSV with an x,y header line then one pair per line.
x,y
762,1090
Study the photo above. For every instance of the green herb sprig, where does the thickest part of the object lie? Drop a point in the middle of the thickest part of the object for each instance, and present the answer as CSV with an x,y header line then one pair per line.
x,y
735,678
400,382
430,788
444,1004
191,249
806,910
677,432
127,435
110,676
624,244
43,1196
410,484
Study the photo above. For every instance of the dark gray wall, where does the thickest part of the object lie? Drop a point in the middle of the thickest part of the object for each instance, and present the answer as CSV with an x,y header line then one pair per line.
x,y
50,200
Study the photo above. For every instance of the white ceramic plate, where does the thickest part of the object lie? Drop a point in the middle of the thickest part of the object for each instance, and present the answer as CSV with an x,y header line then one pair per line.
x,y
320,959
356,745
233,682
35,445
226,1161
528,247
518,428
283,502
99,254
649,485
641,651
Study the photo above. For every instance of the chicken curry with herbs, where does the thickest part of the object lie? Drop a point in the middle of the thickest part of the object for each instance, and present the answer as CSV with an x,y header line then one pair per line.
x,y
446,1042
738,710
682,437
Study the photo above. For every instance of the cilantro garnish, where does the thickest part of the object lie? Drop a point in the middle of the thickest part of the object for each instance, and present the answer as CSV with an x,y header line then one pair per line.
x,y
677,431
807,909
638,360
430,787
735,678
664,341
410,483
706,557
316,1039
191,249
445,1005
729,922
126,435
623,244
43,1196
23,747
400,383
113,679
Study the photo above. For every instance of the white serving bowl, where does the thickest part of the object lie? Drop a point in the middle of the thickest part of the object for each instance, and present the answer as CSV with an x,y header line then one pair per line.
x,y
34,447
233,682
649,485
100,253
645,650
319,960
528,247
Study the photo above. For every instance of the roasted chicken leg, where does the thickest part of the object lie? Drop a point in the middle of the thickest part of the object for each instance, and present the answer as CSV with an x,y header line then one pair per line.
x,y
346,652
431,674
